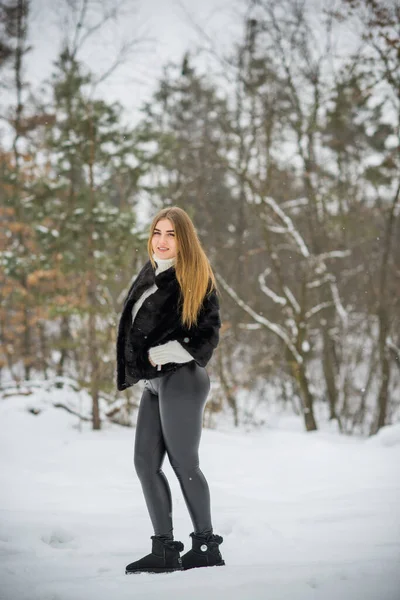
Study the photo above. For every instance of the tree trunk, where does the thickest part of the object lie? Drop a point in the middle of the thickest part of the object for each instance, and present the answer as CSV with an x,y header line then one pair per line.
x,y
384,320
382,402
230,397
328,363
299,373
92,288
64,338
43,347
27,350
94,371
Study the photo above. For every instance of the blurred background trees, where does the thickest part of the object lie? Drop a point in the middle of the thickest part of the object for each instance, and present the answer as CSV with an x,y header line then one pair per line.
x,y
287,158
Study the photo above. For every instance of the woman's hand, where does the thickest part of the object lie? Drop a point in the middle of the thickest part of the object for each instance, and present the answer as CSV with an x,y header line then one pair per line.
x,y
150,361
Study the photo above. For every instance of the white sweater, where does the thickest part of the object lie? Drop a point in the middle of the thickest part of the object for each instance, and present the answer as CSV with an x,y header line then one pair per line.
x,y
172,351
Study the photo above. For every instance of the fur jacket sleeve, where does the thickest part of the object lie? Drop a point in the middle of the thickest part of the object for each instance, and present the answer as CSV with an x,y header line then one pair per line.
x,y
200,341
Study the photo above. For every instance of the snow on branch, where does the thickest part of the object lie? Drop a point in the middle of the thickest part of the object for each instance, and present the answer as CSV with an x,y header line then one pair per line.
x,y
333,254
316,309
338,303
269,224
277,329
318,282
347,273
277,229
291,229
267,291
292,299
294,203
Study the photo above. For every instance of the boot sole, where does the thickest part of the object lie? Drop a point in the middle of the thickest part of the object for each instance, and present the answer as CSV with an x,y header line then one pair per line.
x,y
153,570
220,564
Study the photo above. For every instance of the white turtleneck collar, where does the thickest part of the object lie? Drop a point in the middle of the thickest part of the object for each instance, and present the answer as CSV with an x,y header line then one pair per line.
x,y
163,263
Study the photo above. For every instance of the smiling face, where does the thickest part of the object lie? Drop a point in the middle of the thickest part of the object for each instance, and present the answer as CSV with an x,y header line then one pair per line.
x,y
163,241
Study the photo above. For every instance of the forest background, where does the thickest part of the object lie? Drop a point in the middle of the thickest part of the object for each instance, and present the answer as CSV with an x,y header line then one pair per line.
x,y
284,149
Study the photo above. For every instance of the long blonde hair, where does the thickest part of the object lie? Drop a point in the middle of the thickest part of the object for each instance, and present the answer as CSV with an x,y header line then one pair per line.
x,y
193,269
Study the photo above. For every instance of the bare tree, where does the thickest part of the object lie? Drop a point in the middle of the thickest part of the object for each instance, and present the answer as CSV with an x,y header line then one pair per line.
x,y
380,27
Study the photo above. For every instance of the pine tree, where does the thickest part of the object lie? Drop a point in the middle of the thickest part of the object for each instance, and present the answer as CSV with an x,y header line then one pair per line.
x,y
184,138
88,149
81,210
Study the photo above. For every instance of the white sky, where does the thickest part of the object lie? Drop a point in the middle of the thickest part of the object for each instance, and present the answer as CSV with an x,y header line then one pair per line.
x,y
166,22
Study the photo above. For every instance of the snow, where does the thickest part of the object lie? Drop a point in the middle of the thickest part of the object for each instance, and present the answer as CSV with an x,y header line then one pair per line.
x,y
289,224
261,280
304,516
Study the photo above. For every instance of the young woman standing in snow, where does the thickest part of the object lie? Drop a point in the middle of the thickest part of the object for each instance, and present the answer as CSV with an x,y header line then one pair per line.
x,y
167,333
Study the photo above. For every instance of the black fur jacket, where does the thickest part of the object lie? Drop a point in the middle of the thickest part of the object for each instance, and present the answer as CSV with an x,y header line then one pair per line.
x,y
159,321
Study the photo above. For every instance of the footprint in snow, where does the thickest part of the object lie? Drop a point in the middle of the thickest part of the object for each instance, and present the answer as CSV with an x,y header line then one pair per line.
x,y
60,539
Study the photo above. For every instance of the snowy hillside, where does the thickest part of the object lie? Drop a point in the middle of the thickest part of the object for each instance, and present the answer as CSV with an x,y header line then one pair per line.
x,y
303,516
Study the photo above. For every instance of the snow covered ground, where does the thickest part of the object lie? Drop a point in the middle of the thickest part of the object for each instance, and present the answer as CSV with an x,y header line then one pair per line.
x,y
303,516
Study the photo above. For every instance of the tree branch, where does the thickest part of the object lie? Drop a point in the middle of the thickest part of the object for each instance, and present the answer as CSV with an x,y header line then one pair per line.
x,y
273,327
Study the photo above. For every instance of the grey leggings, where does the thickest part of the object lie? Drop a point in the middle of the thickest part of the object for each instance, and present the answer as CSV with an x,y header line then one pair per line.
x,y
169,422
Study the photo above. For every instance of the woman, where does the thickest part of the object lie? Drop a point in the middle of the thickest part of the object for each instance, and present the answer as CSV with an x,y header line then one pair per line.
x,y
167,333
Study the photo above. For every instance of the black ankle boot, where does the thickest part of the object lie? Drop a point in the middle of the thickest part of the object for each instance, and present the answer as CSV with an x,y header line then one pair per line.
x,y
204,553
164,558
